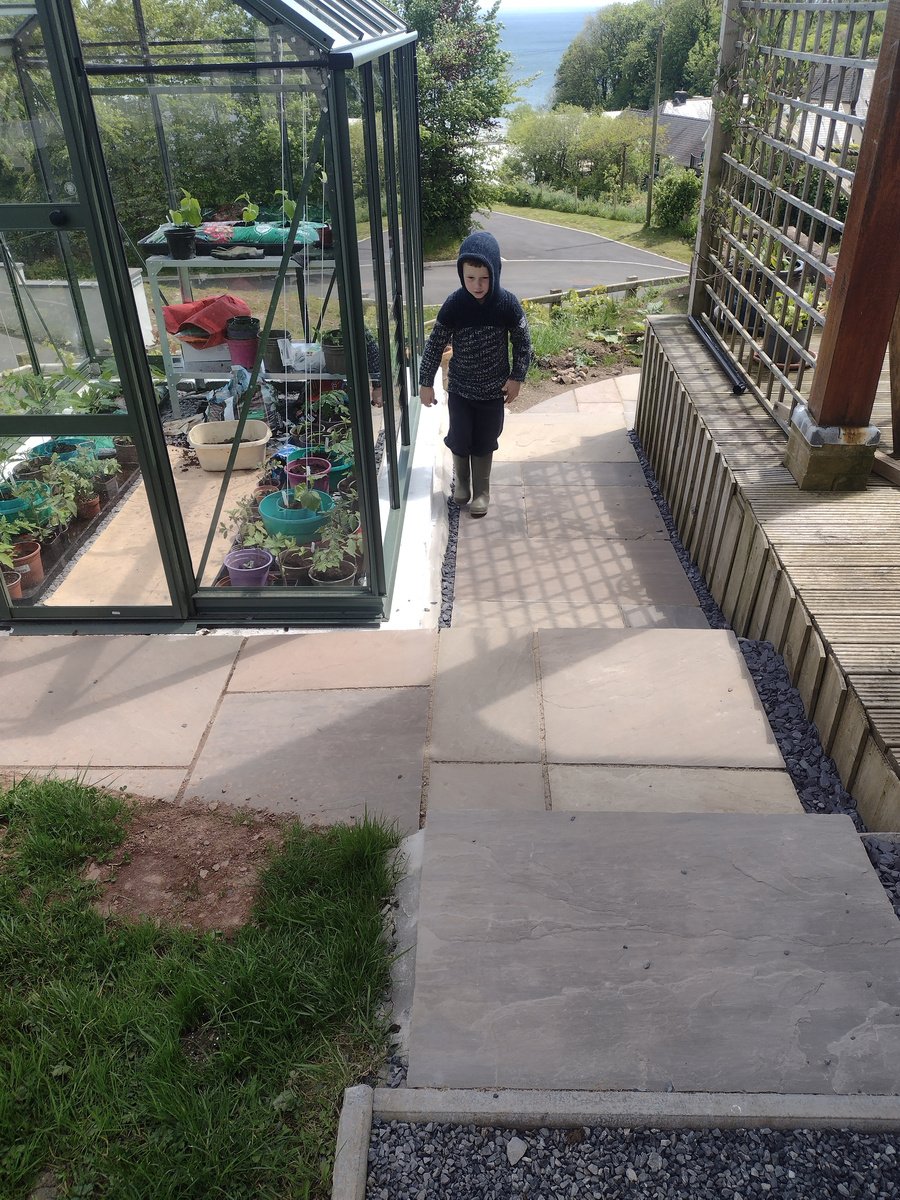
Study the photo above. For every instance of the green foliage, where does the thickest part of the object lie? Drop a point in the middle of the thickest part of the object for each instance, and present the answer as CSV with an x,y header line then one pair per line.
x,y
612,62
570,149
527,195
144,1060
464,86
250,211
675,198
187,212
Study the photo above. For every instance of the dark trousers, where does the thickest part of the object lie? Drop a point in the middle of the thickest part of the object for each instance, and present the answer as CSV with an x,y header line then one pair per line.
x,y
474,427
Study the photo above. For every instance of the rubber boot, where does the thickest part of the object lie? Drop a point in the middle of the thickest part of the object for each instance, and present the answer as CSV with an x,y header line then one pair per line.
x,y
462,486
481,485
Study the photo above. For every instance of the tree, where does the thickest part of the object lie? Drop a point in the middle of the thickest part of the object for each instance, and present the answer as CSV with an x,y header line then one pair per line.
x,y
612,62
464,86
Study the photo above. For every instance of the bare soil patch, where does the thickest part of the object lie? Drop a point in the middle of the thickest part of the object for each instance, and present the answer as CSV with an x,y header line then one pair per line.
x,y
189,866
565,375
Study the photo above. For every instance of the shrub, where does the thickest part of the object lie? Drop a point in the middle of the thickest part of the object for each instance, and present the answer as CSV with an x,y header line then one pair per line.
x,y
675,197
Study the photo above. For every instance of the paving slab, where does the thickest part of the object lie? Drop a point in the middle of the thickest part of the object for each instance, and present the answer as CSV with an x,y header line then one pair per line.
x,y
598,436
119,701
340,658
656,951
323,756
505,517
664,616
601,391
604,511
485,706
579,571
669,697
562,403
584,475
588,788
506,787
153,783
509,614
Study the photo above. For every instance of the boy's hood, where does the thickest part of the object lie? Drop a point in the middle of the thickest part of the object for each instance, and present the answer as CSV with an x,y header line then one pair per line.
x,y
483,248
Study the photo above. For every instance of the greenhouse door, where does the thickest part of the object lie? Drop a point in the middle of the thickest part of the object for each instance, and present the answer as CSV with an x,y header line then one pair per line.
x,y
90,526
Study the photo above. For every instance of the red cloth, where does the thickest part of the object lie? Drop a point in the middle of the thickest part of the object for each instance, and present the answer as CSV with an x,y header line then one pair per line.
x,y
210,314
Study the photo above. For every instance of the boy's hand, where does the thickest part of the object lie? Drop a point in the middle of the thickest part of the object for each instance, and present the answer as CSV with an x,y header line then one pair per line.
x,y
376,397
426,395
510,390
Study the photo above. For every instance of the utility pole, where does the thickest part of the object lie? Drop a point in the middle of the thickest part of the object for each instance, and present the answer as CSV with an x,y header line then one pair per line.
x,y
659,38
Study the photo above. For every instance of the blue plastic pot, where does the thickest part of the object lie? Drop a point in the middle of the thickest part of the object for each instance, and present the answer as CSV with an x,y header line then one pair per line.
x,y
297,523
46,449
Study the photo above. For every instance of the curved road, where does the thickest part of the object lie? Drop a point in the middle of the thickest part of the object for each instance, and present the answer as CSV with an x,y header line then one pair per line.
x,y
538,257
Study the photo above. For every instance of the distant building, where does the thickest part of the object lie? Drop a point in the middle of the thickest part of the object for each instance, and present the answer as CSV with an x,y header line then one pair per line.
x,y
686,120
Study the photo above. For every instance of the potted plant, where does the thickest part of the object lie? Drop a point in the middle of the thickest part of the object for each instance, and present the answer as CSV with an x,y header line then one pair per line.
x,y
309,472
249,212
126,451
56,510
333,350
337,549
288,206
12,576
181,235
248,566
790,316
24,551
296,512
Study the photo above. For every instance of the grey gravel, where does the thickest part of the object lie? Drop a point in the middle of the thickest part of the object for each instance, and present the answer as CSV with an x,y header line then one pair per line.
x,y
424,1162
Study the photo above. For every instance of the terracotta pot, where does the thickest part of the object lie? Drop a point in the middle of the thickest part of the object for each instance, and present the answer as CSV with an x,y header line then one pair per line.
x,y
89,508
27,561
13,581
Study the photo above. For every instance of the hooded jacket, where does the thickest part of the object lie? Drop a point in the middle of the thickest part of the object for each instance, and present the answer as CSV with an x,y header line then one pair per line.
x,y
480,332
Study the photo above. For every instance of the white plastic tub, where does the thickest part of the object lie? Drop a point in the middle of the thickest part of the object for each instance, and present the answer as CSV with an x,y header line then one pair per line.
x,y
212,441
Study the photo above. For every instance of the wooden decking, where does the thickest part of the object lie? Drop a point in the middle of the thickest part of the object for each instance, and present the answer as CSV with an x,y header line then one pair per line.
x,y
817,574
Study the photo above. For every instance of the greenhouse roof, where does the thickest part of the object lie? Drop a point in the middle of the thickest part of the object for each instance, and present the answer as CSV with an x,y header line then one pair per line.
x,y
350,31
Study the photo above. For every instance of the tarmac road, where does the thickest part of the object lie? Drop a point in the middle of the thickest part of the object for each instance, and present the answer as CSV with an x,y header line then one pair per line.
x,y
538,257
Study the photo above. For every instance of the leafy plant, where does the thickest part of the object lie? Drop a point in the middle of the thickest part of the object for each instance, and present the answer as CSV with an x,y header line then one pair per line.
x,y
187,212
250,211
288,206
332,337
256,534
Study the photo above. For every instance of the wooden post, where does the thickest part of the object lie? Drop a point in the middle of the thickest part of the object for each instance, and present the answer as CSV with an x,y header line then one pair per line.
x,y
867,279
894,369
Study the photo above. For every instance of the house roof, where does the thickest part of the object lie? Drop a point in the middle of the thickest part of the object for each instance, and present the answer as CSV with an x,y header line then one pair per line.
x,y
685,136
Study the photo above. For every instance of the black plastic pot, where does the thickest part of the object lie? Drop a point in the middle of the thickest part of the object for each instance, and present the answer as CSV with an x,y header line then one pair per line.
x,y
182,241
272,353
242,328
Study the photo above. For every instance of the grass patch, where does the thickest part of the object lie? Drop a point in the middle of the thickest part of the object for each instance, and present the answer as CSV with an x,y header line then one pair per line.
x,y
658,240
143,1062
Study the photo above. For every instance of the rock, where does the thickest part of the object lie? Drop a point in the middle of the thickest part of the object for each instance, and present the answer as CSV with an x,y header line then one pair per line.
x,y
515,1149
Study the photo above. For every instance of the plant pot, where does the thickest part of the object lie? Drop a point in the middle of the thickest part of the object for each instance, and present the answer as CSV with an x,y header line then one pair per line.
x,y
295,566
335,360
297,523
316,470
88,508
347,486
781,352
248,567
342,576
13,581
63,448
326,237
272,353
126,453
53,546
212,442
107,487
181,241
242,334
13,506
28,562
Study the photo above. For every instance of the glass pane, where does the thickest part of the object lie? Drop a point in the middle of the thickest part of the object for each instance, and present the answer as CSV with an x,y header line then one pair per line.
x,y
34,160
51,309
75,525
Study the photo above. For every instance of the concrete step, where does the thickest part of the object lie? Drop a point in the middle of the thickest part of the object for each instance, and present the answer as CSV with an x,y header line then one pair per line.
x,y
654,951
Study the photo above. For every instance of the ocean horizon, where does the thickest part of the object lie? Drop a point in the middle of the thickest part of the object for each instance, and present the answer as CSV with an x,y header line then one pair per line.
x,y
537,41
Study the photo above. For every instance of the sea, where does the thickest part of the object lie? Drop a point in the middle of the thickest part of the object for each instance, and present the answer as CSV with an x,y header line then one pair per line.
x,y
537,41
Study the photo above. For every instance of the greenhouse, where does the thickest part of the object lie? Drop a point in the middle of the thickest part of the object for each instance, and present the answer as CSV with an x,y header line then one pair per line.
x,y
211,303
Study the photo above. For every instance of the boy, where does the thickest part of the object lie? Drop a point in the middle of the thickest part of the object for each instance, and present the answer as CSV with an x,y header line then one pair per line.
x,y
479,320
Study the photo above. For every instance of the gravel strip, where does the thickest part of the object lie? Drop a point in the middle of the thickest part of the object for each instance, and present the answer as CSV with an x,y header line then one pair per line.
x,y
424,1162
448,567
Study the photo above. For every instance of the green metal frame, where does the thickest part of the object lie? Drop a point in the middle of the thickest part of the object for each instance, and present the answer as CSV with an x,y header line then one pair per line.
x,y
94,213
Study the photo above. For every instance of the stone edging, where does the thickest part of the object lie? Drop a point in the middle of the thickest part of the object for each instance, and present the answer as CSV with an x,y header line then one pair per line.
x,y
511,1109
